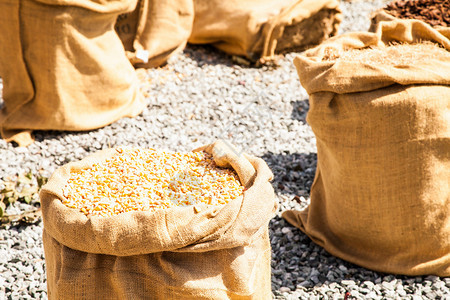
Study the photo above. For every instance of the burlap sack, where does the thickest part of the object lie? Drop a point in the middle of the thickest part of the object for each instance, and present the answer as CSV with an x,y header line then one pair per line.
x,y
177,253
381,195
155,30
381,15
259,29
63,67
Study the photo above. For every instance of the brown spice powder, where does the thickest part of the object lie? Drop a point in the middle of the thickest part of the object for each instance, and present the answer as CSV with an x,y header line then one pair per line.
x,y
393,55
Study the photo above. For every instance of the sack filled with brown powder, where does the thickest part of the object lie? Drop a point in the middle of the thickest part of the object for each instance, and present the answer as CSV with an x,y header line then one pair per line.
x,y
380,111
435,13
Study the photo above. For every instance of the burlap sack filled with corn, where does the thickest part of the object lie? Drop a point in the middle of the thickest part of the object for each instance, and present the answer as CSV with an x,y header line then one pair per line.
x,y
63,67
380,109
258,29
157,241
155,30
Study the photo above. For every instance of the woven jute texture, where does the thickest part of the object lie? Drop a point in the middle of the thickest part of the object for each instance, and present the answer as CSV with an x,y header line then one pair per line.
x,y
155,30
178,253
259,29
381,195
63,67
382,15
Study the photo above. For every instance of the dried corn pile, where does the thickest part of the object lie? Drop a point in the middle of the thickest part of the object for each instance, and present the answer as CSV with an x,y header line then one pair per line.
x,y
147,179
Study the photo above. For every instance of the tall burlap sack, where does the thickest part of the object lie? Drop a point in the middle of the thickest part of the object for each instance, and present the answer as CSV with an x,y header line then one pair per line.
x,y
381,195
178,253
155,30
259,29
63,67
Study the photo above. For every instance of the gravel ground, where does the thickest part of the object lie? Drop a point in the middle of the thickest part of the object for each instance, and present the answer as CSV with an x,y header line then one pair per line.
x,y
200,96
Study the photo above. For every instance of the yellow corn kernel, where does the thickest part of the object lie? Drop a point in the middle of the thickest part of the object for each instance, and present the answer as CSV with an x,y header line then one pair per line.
x,y
149,179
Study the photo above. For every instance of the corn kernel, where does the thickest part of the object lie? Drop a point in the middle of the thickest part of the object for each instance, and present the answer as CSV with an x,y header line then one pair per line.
x,y
147,179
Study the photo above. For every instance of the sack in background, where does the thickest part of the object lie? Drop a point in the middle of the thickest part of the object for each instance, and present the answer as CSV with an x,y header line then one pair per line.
x,y
155,31
435,13
258,29
177,253
381,195
63,67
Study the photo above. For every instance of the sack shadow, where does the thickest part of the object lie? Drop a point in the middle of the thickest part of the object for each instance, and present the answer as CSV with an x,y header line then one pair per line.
x,y
293,172
298,263
300,110
207,55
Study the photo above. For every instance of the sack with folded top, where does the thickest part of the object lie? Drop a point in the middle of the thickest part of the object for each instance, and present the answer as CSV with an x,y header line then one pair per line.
x,y
63,67
145,223
380,111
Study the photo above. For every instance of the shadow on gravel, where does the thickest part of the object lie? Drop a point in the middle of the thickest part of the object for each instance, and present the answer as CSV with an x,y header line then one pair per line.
x,y
300,110
208,55
298,263
42,135
293,172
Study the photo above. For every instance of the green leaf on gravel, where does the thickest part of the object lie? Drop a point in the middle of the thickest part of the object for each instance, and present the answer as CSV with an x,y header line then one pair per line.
x,y
41,180
8,194
23,188
29,175
2,209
